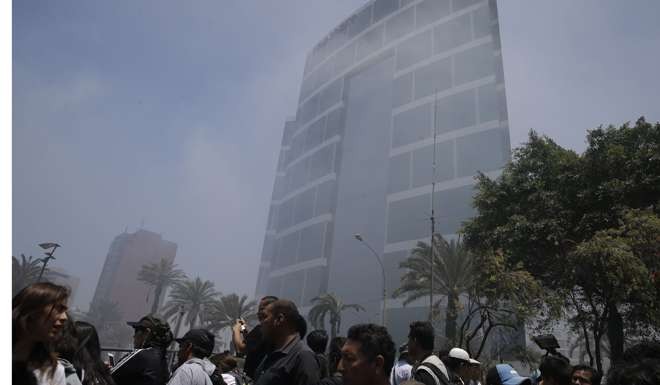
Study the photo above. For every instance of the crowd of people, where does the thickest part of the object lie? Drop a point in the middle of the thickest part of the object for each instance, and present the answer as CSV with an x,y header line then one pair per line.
x,y
49,348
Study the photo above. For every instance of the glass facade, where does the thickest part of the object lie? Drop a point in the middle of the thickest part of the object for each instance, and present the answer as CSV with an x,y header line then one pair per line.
x,y
357,157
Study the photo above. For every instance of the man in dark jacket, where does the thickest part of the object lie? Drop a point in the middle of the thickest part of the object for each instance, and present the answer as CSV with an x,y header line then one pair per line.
x,y
252,343
290,361
147,365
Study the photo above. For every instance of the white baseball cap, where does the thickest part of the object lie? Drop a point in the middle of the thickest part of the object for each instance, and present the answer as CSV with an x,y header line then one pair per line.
x,y
459,354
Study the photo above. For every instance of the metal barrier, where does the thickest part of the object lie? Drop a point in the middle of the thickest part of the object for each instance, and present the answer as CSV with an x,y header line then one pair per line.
x,y
118,353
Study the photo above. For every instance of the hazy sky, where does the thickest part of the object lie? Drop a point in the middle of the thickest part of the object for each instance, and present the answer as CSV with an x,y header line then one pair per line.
x,y
171,112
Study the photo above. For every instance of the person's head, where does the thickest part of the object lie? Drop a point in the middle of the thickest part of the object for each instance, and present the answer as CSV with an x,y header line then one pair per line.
x,y
334,353
151,331
367,356
88,339
458,361
225,361
555,371
197,343
39,312
504,374
265,301
301,326
317,340
280,319
585,375
420,340
87,356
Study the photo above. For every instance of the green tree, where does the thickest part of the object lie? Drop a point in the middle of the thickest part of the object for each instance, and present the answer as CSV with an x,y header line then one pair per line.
x,y
500,298
552,210
453,274
24,272
331,306
224,312
195,296
160,276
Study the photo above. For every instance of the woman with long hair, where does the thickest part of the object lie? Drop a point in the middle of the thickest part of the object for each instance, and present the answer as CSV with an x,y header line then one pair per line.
x,y
38,316
79,350
94,371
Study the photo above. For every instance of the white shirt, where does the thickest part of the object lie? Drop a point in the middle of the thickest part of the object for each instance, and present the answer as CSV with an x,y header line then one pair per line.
x,y
401,371
44,378
195,371
229,379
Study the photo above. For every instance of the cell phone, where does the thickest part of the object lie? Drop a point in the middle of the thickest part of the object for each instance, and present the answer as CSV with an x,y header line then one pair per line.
x,y
111,359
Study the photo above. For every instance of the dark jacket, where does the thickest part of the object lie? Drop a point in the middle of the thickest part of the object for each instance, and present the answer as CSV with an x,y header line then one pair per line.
x,y
142,367
323,365
256,350
293,364
333,379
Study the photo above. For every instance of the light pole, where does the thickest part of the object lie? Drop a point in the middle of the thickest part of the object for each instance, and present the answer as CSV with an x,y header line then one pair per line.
x,y
49,256
380,261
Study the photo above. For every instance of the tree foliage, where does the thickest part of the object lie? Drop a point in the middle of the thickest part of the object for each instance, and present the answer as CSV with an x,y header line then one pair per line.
x,y
160,276
224,312
24,272
330,306
494,295
195,296
453,274
585,225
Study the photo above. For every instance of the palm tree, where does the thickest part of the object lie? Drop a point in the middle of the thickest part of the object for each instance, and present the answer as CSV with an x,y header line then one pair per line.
x,y
453,274
24,272
224,312
160,275
194,296
329,305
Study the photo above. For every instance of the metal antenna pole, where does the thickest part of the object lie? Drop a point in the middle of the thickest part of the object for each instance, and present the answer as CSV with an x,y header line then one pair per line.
x,y
435,136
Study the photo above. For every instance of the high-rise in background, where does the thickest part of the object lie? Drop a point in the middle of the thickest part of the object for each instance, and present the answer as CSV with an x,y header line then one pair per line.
x,y
118,282
357,157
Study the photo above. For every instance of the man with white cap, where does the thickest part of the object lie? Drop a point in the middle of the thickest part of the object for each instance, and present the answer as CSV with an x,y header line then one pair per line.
x,y
458,363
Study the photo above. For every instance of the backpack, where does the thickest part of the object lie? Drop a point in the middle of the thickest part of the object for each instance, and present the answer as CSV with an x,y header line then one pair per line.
x,y
216,377
435,368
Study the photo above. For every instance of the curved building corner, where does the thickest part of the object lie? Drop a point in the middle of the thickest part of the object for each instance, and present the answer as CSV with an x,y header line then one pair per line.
x,y
357,157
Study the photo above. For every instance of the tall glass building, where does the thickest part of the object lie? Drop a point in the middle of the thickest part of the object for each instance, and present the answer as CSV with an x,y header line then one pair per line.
x,y
357,157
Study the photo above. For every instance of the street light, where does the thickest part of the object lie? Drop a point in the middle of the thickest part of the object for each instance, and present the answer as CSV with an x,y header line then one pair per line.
x,y
359,238
49,256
